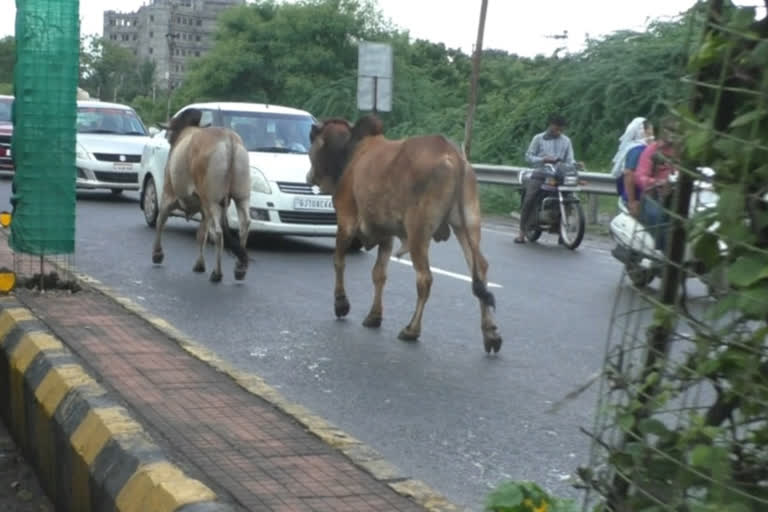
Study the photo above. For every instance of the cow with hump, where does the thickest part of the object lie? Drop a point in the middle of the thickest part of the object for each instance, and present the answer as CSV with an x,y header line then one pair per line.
x,y
416,189
206,168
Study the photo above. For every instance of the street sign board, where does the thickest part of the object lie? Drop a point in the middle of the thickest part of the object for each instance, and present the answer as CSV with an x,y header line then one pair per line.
x,y
366,85
374,76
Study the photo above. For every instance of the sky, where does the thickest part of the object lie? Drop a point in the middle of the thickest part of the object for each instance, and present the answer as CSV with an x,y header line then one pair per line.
x,y
511,25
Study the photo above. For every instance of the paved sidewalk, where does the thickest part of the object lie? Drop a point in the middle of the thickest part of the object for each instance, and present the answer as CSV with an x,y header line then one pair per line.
x,y
245,449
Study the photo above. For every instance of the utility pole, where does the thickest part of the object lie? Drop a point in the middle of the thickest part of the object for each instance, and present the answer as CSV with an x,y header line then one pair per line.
x,y
473,87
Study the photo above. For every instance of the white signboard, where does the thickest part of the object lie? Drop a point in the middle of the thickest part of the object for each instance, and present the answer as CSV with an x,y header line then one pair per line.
x,y
365,93
374,76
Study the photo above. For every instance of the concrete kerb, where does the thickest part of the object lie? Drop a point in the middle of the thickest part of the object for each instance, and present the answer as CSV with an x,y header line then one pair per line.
x,y
88,451
355,450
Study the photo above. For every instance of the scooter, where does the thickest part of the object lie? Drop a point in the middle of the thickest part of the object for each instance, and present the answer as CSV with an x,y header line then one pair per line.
x,y
636,247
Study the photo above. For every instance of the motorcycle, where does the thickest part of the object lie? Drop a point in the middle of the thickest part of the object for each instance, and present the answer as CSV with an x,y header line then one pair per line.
x,y
636,247
558,207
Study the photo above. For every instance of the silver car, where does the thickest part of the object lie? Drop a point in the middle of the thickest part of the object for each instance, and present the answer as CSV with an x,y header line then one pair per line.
x,y
110,140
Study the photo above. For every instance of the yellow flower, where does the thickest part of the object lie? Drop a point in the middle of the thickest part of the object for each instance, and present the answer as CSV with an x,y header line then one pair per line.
x,y
544,507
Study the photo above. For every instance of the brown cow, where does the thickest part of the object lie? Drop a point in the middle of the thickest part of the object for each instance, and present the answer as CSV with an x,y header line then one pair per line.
x,y
206,168
413,189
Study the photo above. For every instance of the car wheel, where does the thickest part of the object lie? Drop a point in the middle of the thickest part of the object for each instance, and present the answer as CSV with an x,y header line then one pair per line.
x,y
149,203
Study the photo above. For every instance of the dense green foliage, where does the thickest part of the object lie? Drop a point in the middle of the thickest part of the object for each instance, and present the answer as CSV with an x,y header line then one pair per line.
x,y
304,54
693,418
7,63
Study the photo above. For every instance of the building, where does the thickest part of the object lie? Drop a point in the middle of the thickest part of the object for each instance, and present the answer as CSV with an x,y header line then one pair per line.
x,y
167,32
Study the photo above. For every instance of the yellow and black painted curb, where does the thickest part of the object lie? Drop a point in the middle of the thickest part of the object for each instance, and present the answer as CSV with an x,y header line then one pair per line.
x,y
88,451
358,452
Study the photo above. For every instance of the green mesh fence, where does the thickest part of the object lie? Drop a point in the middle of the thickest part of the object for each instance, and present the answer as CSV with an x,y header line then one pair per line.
x,y
44,117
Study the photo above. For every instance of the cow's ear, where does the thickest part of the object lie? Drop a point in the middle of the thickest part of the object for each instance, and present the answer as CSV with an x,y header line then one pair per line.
x,y
315,131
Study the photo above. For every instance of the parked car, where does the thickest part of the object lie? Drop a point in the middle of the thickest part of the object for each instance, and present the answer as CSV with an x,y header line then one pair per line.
x,y
110,140
6,131
277,139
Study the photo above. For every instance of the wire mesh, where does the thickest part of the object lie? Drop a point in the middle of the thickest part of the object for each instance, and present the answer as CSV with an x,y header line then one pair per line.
x,y
44,136
682,415
43,143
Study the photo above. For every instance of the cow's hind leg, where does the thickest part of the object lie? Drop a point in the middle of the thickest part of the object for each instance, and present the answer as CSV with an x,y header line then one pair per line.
x,y
214,218
419,257
379,278
478,267
202,239
241,267
167,205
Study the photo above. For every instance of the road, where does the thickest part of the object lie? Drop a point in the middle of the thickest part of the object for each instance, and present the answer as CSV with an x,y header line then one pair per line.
x,y
439,409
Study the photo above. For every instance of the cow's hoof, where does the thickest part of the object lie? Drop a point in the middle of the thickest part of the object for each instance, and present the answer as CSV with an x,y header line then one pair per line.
x,y
372,321
492,341
341,305
199,267
157,257
240,271
215,277
408,335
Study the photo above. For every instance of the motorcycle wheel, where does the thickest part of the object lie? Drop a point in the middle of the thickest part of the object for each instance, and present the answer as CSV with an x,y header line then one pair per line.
x,y
640,276
570,239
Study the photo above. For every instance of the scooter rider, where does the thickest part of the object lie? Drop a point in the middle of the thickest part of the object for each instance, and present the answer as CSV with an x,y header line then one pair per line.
x,y
652,177
549,147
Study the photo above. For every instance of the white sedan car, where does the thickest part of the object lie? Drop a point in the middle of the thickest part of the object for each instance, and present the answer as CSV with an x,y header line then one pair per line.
x,y
277,139
110,140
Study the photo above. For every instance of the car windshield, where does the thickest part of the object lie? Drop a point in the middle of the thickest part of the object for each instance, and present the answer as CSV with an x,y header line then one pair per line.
x,y
109,120
5,110
272,133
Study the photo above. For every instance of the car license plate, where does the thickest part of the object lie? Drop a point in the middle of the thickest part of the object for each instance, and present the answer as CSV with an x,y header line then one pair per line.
x,y
313,203
120,166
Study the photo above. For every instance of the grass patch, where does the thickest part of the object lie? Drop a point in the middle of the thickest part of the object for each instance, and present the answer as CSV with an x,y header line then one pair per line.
x,y
498,199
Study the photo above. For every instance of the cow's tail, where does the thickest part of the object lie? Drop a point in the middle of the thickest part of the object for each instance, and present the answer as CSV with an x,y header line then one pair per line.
x,y
231,240
479,287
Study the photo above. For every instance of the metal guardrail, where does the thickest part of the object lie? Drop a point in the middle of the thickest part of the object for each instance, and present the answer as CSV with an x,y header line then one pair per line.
x,y
596,182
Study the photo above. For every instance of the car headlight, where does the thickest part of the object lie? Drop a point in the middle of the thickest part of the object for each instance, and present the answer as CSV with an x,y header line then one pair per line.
x,y
82,153
258,182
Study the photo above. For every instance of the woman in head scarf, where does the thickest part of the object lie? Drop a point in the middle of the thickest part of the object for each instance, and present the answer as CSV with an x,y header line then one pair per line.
x,y
636,136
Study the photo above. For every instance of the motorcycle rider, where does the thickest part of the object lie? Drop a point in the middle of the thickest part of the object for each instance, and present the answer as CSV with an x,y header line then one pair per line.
x,y
549,147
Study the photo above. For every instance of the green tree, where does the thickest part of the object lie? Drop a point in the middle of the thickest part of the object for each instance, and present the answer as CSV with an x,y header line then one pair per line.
x,y
108,71
7,59
304,54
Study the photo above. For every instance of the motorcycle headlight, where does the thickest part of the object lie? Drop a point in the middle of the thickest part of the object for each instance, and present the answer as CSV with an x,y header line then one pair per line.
x,y
82,153
259,182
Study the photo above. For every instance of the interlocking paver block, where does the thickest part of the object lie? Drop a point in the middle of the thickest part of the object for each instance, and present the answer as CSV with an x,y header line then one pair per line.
x,y
261,457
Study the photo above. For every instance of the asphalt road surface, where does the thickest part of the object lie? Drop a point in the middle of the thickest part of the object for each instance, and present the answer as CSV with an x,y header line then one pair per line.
x,y
439,409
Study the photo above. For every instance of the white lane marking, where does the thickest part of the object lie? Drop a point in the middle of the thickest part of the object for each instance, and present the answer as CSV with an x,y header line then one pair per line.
x,y
498,231
444,272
